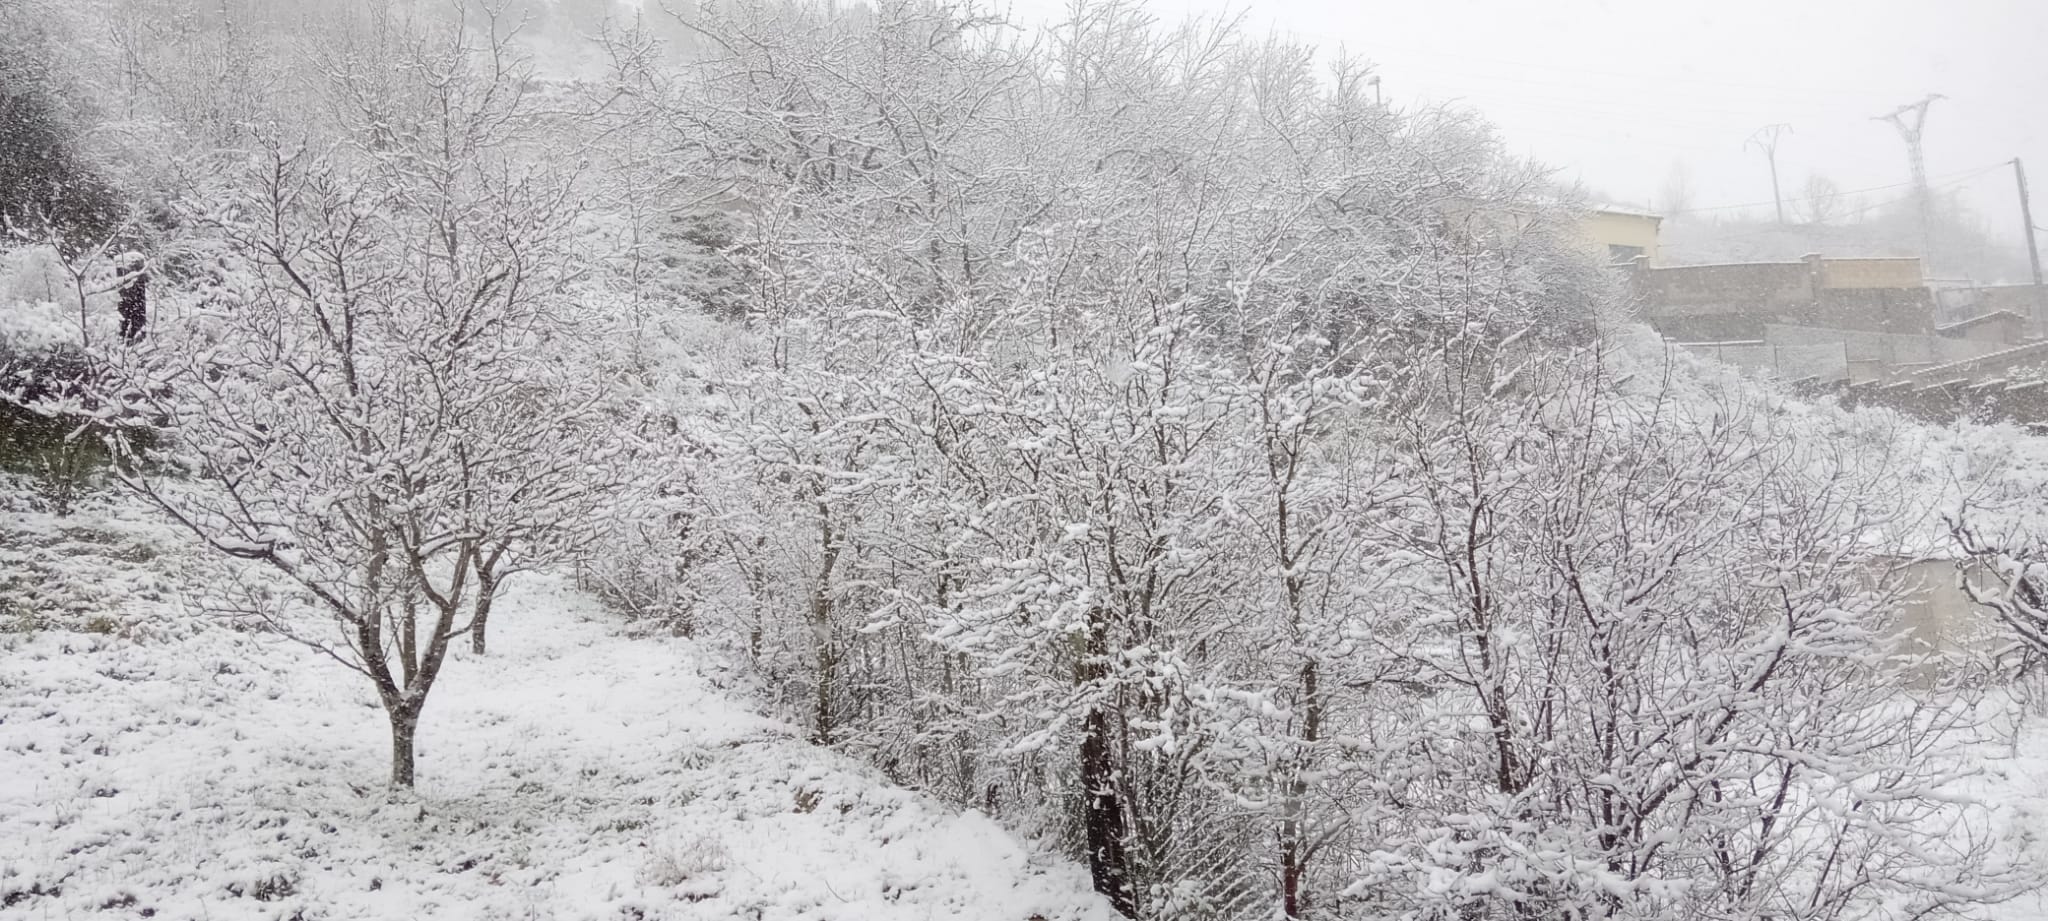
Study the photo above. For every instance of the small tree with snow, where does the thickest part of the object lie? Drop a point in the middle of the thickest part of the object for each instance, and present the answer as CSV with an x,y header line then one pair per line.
x,y
389,411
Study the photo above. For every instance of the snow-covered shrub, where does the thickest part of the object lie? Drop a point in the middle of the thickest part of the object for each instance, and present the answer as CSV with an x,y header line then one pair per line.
x,y
32,283
45,432
684,862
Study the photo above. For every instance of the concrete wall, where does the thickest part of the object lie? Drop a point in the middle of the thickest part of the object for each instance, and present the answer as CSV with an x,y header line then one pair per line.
x,y
1793,352
2006,329
1939,616
1891,310
1735,300
1732,288
2026,300
1955,304
2025,404
1733,327
1889,348
1886,272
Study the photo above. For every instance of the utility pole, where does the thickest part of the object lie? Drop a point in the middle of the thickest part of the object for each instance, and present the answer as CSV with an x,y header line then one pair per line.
x,y
1766,139
2019,174
1922,197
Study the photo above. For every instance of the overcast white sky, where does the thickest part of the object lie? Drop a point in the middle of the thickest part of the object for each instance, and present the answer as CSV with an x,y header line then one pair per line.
x,y
1616,93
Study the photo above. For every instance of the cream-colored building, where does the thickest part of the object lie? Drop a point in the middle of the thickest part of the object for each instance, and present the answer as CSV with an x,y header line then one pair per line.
x,y
1620,234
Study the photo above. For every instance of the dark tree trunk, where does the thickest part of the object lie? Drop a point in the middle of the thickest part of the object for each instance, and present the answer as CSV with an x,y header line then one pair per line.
x,y
821,632
487,589
1291,868
1294,848
403,726
822,704
1102,784
419,666
1108,862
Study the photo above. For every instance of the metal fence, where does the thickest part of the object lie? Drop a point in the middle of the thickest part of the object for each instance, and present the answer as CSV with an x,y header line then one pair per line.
x,y
1826,361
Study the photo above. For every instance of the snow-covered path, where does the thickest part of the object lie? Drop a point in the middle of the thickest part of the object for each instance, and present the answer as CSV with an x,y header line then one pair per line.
x,y
573,773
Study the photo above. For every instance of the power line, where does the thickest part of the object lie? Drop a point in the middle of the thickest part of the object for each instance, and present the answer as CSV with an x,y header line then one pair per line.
x,y
1770,229
1634,96
1779,229
1514,133
1658,78
1774,229
1949,180
1654,110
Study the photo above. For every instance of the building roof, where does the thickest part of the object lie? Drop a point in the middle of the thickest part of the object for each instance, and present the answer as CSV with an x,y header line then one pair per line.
x,y
2005,358
1626,210
1980,319
1727,265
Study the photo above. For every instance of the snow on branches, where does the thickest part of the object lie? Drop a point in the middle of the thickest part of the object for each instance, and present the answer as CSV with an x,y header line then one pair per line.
x,y
397,404
1200,464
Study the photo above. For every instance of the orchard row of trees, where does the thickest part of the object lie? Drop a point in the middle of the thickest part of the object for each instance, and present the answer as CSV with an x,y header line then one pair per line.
x,y
1138,434
1149,439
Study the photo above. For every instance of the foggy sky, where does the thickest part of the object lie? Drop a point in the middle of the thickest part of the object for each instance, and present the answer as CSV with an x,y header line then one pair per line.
x,y
1615,93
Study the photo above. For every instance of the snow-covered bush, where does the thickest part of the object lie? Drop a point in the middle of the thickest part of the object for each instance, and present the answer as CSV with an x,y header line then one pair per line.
x,y
685,862
32,283
44,374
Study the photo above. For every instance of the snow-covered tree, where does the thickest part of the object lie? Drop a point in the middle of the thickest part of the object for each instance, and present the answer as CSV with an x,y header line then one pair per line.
x,y
1147,438
1653,665
393,406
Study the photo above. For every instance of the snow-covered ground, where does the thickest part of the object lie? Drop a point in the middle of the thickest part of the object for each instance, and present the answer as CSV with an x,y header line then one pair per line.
x,y
169,767
2014,780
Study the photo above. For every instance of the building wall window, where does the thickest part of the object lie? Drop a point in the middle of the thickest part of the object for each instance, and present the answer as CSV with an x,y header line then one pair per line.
x,y
1619,253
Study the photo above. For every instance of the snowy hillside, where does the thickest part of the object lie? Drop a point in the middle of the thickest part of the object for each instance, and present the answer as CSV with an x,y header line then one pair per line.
x,y
1109,468
173,768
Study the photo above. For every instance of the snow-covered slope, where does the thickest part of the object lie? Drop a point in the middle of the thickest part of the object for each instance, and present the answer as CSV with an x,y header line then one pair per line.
x,y
574,773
